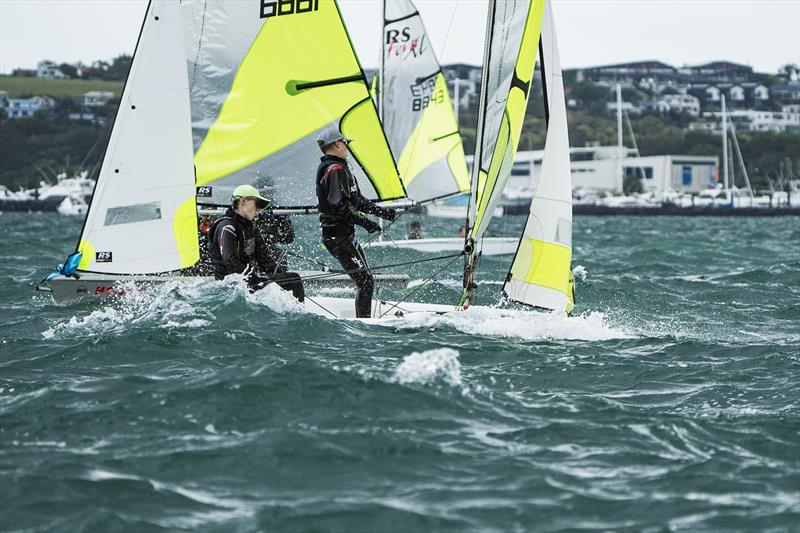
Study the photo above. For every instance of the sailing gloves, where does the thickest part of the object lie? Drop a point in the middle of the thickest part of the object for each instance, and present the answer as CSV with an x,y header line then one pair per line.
x,y
370,226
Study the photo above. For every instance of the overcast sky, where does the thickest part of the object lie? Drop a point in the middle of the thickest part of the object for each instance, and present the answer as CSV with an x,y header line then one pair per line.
x,y
764,34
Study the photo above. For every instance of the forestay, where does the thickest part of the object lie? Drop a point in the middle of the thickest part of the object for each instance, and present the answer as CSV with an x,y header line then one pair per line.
x,y
512,44
143,217
266,77
416,108
541,271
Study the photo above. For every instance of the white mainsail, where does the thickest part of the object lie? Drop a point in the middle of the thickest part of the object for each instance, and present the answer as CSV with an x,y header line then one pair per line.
x,y
541,274
143,216
416,109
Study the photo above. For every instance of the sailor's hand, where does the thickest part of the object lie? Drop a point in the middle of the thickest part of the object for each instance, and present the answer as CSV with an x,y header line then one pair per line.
x,y
371,226
388,214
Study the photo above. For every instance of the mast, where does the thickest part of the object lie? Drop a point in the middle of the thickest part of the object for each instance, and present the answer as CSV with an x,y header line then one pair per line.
x,y
738,151
620,148
471,257
725,151
379,89
477,158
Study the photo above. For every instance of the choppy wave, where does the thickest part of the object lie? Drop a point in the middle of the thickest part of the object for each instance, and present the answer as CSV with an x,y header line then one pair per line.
x,y
669,402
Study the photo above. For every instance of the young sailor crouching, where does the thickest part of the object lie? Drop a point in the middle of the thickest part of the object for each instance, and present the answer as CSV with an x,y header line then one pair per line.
x,y
236,246
341,207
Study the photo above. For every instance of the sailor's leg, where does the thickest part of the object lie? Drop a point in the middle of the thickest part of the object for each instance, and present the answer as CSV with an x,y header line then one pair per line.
x,y
353,262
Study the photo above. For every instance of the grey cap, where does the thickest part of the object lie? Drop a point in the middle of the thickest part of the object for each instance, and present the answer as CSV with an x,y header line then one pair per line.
x,y
330,135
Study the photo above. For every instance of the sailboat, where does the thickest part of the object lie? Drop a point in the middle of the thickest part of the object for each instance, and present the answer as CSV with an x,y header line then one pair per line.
x,y
540,275
206,108
187,118
420,124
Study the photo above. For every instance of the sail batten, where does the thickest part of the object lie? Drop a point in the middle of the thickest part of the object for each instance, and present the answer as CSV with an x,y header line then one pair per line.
x,y
417,112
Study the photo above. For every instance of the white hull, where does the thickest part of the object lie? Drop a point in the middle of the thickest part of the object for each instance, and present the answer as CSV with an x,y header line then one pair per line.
x,y
454,211
91,286
488,246
381,309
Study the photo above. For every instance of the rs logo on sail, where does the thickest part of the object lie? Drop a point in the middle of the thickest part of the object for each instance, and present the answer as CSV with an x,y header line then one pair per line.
x,y
277,8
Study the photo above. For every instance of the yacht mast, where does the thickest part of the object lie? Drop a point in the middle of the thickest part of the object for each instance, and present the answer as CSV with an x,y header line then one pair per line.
x,y
725,151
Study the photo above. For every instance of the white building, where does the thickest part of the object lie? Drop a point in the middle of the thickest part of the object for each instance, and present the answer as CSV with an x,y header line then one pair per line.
x,y
597,168
680,173
678,103
97,98
753,120
48,69
27,107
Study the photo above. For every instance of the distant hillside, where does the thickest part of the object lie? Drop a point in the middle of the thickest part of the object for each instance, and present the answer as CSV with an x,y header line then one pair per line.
x,y
65,88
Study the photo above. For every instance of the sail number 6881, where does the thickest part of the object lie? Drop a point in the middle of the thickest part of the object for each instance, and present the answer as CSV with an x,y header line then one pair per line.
x,y
277,8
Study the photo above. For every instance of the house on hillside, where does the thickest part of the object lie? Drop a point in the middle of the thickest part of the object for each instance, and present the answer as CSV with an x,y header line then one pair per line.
x,y
627,72
787,93
48,69
27,107
719,71
746,94
97,98
678,103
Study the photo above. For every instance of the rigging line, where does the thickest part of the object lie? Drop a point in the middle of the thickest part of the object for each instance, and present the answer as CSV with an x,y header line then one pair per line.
x,y
199,44
401,300
446,35
334,273
309,259
321,306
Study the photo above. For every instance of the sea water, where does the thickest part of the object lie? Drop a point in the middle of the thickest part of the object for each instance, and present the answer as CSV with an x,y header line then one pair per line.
x,y
668,402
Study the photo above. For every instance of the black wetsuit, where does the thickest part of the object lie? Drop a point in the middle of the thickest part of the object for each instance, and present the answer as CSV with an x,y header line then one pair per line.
x,y
235,244
341,207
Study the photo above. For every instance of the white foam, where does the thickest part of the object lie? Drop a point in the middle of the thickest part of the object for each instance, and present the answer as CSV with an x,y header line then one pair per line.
x,y
175,305
527,325
428,366
277,299
580,272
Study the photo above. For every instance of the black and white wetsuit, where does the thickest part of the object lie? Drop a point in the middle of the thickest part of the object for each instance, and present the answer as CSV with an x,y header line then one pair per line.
x,y
341,207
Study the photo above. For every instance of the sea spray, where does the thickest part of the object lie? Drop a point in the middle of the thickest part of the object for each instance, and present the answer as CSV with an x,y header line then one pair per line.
x,y
429,366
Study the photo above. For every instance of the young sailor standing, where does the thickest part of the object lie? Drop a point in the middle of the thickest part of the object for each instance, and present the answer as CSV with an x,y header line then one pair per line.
x,y
236,246
341,207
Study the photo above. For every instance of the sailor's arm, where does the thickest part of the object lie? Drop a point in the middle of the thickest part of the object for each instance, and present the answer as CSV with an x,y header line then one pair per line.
x,y
346,205
368,206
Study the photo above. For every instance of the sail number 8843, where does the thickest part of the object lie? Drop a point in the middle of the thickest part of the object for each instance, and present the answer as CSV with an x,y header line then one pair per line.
x,y
277,8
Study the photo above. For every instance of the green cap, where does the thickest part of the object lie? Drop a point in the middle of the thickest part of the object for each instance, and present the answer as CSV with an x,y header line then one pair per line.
x,y
248,191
